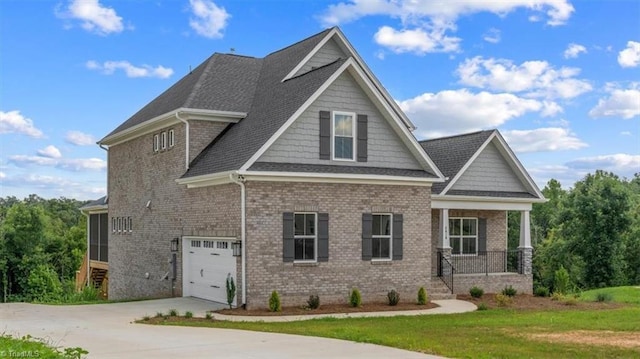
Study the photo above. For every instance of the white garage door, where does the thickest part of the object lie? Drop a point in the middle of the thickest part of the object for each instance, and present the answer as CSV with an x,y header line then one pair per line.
x,y
207,262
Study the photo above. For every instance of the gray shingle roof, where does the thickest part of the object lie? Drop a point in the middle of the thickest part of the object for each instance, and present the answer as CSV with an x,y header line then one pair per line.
x,y
102,201
307,168
450,154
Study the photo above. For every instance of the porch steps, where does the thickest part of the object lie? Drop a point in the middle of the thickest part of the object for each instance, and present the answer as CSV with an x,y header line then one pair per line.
x,y
437,290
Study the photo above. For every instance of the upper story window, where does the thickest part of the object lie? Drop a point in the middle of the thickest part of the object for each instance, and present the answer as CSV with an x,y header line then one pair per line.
x,y
304,237
156,143
163,140
172,138
344,128
463,234
381,236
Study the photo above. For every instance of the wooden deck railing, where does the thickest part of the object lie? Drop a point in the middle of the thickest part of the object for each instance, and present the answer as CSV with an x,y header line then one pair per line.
x,y
81,274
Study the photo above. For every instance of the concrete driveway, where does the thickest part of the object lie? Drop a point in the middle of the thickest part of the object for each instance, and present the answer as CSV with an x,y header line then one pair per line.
x,y
108,331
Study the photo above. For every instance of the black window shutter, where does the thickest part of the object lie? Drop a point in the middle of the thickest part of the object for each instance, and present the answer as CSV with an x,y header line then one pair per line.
x,y
323,237
288,250
397,237
362,138
325,135
482,236
367,227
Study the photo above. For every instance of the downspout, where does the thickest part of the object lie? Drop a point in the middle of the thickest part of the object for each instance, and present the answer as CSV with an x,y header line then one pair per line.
x,y
186,160
239,180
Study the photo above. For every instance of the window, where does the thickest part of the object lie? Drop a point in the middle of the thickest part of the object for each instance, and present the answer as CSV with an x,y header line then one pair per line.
x,y
130,224
114,224
163,141
304,237
119,224
172,138
156,143
343,135
381,236
463,234
125,225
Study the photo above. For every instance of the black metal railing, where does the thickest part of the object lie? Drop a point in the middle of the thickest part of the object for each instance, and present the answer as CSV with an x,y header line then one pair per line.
x,y
445,270
488,262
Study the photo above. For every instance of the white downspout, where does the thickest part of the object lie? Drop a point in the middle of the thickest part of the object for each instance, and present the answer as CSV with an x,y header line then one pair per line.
x,y
243,223
186,160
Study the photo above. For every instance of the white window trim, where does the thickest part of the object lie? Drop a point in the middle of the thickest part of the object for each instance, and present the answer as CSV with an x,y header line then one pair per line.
x,y
315,239
156,143
390,236
460,237
119,224
114,224
163,140
130,224
172,138
353,135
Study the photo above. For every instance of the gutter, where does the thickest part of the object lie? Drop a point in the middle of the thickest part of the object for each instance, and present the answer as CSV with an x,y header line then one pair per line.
x,y
186,160
240,180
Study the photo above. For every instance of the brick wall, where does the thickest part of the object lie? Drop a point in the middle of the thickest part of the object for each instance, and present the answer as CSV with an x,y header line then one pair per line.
x,y
333,280
493,283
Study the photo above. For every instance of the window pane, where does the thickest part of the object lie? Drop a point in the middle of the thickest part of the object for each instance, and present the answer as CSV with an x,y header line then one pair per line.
x,y
469,227
309,249
343,125
299,225
385,248
376,225
455,245
469,245
310,228
299,249
454,227
375,248
343,147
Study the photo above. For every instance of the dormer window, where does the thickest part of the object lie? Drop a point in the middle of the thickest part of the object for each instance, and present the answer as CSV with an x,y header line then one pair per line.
x,y
343,133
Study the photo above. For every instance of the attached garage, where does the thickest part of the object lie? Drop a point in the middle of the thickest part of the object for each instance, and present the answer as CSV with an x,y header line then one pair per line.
x,y
206,264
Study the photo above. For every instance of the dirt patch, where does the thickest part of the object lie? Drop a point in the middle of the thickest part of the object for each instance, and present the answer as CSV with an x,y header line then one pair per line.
x,y
329,309
530,302
592,337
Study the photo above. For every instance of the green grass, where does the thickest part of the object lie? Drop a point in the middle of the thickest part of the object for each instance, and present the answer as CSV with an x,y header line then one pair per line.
x,y
630,294
495,333
29,347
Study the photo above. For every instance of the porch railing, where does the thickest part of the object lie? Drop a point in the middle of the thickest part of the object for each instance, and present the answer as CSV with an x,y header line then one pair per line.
x,y
445,270
488,262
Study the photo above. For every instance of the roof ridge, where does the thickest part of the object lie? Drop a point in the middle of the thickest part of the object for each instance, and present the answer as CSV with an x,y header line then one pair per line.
x,y
456,136
198,83
300,41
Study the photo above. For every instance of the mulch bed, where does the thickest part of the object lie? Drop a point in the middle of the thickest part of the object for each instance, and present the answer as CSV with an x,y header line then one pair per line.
x,y
530,302
329,309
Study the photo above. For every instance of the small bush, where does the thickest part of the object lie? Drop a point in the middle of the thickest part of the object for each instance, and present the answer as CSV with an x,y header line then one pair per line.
x,y
188,314
274,302
557,296
604,297
570,301
146,318
231,290
541,292
503,300
313,302
159,315
394,297
422,296
561,281
208,315
483,306
476,292
509,291
355,299
173,313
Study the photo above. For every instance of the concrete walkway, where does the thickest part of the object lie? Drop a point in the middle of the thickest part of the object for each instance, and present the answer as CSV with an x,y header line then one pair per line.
x,y
448,306
108,331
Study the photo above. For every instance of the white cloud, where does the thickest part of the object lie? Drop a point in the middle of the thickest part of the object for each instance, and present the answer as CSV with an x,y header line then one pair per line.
x,y
574,50
455,111
620,163
3,175
79,138
532,78
50,152
418,41
53,186
75,165
492,36
630,57
94,16
623,103
109,67
14,122
543,139
625,133
209,20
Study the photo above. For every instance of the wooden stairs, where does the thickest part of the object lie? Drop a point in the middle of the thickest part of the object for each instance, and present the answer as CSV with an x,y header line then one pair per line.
x,y
98,276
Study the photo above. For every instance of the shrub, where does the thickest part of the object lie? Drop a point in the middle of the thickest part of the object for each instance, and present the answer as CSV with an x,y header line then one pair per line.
x,y
146,318
43,285
561,281
476,292
208,315
274,302
231,290
173,313
557,296
355,299
422,296
394,297
570,301
541,292
503,300
159,315
509,291
483,306
604,297
188,314
313,302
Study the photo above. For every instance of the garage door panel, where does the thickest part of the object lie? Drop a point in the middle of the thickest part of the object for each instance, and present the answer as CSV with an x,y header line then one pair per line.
x,y
207,266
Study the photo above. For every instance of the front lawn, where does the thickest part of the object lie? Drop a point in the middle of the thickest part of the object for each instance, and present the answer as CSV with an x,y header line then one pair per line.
x,y
494,333
630,294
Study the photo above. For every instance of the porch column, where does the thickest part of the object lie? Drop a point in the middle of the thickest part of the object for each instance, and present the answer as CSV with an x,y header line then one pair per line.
x,y
525,248
444,245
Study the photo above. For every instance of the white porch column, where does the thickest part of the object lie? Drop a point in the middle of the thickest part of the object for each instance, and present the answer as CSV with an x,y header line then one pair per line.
x,y
443,239
525,230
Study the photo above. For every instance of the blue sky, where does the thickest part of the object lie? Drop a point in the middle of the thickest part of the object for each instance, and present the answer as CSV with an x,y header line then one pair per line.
x,y
559,78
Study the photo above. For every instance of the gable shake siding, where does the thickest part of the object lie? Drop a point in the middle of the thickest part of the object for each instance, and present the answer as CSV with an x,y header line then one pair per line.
x,y
327,54
300,143
489,172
